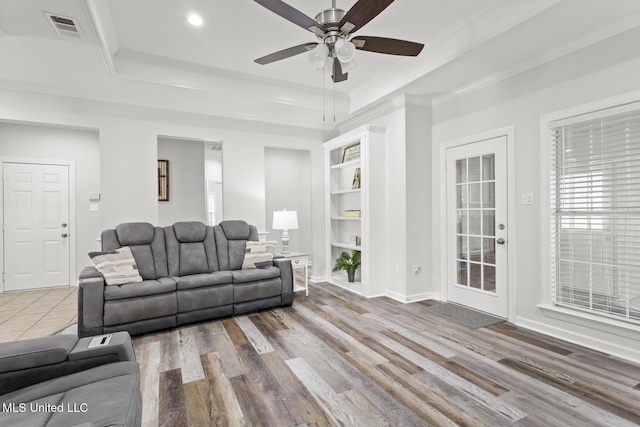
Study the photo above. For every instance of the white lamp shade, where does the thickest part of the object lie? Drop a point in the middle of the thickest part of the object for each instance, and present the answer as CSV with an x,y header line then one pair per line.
x,y
318,55
285,220
345,50
327,68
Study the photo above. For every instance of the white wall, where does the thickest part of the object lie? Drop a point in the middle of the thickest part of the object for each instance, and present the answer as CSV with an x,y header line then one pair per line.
x,y
600,71
18,140
187,199
287,184
128,154
407,194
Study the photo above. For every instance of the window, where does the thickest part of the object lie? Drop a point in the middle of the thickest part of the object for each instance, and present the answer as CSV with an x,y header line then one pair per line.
x,y
595,213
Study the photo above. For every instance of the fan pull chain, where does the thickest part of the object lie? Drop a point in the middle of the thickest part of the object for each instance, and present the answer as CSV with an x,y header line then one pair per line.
x,y
334,102
323,108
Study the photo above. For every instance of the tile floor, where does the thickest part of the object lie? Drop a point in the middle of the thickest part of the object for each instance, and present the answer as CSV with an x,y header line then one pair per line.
x,y
37,313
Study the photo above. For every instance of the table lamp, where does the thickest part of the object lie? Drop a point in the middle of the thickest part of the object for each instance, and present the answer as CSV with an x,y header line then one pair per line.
x,y
285,220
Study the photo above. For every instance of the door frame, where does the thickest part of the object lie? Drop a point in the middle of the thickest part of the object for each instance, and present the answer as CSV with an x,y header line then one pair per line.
x,y
509,133
72,208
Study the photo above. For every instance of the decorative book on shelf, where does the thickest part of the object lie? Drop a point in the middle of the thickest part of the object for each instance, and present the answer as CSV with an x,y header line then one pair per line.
x,y
356,179
351,152
352,213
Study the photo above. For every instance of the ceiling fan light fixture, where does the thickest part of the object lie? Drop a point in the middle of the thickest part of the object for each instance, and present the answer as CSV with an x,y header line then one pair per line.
x,y
318,55
348,66
345,50
327,68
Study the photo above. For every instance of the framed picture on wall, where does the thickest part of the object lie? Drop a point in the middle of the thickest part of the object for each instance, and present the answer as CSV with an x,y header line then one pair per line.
x,y
163,180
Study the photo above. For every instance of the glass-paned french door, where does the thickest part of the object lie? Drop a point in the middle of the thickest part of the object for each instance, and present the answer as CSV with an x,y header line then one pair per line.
x,y
476,231
475,222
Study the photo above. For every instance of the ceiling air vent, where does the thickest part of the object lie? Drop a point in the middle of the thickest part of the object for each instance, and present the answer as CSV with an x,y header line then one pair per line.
x,y
64,25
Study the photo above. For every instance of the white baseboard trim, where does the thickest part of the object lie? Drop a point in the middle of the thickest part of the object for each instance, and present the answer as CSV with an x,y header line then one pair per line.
x,y
412,298
607,347
317,279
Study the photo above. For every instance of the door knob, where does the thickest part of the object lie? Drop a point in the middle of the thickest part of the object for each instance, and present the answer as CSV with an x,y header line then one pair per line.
x,y
500,241
64,234
64,224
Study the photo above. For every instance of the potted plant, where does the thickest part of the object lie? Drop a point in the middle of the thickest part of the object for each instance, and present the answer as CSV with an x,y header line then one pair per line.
x,y
348,263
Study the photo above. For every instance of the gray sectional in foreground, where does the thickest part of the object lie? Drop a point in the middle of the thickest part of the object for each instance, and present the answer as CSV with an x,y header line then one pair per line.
x,y
61,381
191,272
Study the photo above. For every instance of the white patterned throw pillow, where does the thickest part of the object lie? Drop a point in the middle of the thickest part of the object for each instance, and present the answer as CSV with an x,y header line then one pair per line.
x,y
118,267
259,255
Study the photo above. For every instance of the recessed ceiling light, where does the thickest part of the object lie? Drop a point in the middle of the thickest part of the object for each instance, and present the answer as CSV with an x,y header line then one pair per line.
x,y
195,20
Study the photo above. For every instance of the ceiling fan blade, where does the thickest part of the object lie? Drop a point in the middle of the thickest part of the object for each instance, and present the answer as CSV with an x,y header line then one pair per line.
x,y
338,76
387,46
291,14
361,13
285,53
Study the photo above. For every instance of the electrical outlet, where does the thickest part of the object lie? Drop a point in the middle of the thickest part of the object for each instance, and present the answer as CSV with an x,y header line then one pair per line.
x,y
94,207
527,198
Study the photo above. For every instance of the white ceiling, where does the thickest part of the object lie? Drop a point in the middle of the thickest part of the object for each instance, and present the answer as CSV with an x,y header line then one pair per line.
x,y
143,52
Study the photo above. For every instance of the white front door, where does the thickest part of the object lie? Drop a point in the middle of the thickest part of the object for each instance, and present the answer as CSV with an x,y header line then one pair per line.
x,y
36,226
477,225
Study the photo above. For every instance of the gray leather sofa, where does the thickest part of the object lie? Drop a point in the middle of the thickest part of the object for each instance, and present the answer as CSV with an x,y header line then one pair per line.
x,y
59,381
191,272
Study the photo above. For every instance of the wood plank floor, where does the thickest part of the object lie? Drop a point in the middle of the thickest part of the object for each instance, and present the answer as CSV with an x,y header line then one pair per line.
x,y
336,359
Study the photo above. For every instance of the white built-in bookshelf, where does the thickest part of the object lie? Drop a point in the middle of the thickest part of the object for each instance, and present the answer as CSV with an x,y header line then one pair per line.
x,y
350,187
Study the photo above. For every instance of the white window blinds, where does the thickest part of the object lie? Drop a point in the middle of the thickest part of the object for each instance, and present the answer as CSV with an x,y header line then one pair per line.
x,y
595,200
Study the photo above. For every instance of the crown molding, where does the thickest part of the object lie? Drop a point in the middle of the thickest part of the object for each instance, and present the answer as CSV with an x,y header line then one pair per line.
x,y
101,22
559,51
297,117
383,108
214,72
494,21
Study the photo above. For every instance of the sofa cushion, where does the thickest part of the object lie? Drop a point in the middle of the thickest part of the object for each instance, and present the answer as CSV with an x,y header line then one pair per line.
x,y
141,289
117,267
204,298
203,280
119,311
146,244
27,354
236,230
109,395
191,231
135,233
244,276
259,254
191,248
253,291
193,259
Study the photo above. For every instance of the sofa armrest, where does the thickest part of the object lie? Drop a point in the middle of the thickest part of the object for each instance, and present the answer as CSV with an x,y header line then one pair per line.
x,y
90,302
286,274
119,345
27,362
26,354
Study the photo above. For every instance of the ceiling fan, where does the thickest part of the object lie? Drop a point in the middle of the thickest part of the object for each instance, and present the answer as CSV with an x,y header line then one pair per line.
x,y
333,27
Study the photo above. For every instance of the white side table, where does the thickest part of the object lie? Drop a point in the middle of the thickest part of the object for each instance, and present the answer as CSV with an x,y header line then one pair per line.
x,y
299,260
